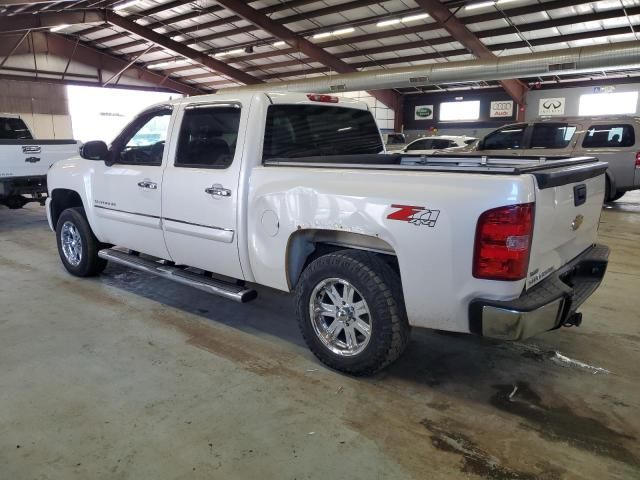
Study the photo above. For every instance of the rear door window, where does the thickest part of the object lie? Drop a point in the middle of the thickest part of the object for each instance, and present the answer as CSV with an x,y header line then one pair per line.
x,y
295,131
507,138
552,135
14,129
609,136
208,137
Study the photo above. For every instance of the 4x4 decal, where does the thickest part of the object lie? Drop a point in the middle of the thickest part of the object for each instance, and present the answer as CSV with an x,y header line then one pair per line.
x,y
415,215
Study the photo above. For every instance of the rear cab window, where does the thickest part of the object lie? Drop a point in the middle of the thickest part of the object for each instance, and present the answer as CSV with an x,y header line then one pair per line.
x,y
14,129
297,131
609,136
552,135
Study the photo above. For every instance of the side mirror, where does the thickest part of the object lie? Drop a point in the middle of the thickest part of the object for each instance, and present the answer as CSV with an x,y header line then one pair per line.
x,y
94,150
480,145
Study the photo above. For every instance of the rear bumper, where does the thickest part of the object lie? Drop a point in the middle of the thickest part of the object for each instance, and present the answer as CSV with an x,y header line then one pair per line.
x,y
546,306
23,185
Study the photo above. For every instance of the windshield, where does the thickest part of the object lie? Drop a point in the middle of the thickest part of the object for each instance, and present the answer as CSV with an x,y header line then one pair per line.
x,y
295,131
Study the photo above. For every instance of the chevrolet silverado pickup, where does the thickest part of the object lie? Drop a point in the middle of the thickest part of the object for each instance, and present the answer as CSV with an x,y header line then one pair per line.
x,y
24,162
296,193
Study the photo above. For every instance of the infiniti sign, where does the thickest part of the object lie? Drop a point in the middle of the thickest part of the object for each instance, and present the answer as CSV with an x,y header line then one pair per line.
x,y
551,106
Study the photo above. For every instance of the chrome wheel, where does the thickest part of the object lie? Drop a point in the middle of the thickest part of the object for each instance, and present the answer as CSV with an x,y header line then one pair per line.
x,y
340,317
71,243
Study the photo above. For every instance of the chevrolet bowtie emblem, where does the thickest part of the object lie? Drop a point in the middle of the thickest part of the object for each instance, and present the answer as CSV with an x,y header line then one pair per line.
x,y
575,225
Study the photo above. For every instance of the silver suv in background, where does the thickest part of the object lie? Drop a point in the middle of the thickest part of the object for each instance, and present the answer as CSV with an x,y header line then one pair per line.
x,y
612,139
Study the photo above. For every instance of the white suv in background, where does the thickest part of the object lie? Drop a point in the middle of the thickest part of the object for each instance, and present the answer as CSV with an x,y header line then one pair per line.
x,y
429,145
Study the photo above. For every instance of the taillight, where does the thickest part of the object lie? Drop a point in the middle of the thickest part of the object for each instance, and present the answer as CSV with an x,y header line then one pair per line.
x,y
638,160
315,97
503,242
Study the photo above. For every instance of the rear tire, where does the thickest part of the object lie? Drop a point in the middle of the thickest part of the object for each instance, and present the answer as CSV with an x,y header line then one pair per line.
x,y
611,196
617,196
340,296
77,245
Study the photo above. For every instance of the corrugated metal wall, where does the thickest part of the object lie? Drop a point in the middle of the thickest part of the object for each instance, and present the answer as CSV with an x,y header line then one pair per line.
x,y
43,106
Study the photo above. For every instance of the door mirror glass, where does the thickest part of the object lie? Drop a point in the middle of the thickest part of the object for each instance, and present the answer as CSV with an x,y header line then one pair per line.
x,y
94,150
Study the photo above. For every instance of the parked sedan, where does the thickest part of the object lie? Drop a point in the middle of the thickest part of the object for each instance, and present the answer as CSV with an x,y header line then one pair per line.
x,y
429,145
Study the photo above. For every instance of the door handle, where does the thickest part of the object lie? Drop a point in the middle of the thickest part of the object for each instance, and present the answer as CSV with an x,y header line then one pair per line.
x,y
148,184
218,191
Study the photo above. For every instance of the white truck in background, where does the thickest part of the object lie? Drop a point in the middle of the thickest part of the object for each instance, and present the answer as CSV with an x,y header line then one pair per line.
x,y
294,191
24,162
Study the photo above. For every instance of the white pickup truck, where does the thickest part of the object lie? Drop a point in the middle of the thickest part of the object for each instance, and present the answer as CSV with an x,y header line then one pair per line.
x,y
24,162
291,191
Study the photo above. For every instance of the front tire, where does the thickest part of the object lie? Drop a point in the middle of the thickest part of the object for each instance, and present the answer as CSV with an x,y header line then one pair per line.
x,y
351,312
77,245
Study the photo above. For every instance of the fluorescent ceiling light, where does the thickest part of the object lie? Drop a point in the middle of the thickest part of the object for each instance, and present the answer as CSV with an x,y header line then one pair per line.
x,y
413,18
161,64
473,6
322,35
386,23
500,2
237,51
123,5
279,44
343,31
57,28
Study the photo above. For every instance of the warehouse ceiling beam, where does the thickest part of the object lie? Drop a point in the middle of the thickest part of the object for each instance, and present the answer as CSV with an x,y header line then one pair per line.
x,y
46,20
447,20
61,46
381,35
198,12
389,97
31,2
52,19
15,47
180,49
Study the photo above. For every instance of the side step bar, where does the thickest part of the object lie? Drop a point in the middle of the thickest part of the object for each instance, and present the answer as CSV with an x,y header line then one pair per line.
x,y
206,284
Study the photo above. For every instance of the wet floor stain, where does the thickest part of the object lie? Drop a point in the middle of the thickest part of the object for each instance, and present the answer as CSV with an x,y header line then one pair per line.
x,y
477,461
561,424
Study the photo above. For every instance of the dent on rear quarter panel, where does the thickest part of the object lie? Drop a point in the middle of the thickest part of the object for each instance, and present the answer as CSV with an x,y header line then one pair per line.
x,y
435,261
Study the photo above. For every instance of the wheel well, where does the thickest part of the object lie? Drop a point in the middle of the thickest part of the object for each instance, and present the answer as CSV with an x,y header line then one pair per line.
x,y
306,245
61,199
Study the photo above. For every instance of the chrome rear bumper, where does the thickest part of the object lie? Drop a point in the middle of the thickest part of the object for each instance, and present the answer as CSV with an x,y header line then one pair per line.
x,y
548,305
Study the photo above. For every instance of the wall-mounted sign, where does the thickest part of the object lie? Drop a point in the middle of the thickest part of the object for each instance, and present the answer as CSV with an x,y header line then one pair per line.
x,y
501,109
424,112
551,106
605,89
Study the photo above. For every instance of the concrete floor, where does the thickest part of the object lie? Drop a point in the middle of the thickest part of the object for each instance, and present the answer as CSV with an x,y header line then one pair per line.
x,y
133,377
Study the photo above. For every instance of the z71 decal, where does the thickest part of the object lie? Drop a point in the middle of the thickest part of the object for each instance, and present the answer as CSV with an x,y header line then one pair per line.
x,y
415,215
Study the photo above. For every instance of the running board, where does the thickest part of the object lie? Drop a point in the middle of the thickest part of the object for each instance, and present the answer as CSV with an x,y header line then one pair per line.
x,y
206,284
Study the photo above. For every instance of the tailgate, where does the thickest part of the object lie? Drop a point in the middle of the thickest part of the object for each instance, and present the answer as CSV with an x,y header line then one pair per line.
x,y
22,159
568,206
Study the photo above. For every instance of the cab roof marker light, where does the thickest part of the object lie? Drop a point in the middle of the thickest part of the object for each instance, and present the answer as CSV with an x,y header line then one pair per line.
x,y
316,97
